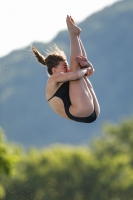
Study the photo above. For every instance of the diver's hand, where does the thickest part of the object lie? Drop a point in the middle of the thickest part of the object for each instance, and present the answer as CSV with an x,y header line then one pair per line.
x,y
84,63
90,71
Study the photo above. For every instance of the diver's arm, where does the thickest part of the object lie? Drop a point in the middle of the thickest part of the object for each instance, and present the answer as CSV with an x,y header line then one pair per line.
x,y
68,76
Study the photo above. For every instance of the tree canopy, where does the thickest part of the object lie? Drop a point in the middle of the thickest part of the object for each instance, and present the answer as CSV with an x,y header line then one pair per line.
x,y
101,170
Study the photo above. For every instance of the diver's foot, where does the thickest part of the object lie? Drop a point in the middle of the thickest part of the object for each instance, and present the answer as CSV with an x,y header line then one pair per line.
x,y
72,20
72,28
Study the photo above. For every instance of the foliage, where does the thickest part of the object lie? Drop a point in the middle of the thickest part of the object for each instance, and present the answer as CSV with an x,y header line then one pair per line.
x,y
104,171
8,158
115,153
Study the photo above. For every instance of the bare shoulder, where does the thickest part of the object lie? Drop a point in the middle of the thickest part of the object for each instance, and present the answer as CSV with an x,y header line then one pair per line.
x,y
57,77
51,83
51,87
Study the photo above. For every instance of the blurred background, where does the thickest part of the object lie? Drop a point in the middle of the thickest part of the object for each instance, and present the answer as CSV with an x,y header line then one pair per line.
x,y
43,156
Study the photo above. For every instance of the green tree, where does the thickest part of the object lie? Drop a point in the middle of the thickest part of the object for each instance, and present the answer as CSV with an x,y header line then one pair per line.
x,y
54,174
8,157
104,171
114,151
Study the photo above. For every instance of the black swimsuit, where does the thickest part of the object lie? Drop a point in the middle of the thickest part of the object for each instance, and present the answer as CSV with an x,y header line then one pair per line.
x,y
63,93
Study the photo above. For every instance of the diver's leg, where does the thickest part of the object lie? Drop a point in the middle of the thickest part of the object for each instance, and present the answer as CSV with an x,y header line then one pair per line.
x,y
75,48
80,95
95,101
83,52
82,49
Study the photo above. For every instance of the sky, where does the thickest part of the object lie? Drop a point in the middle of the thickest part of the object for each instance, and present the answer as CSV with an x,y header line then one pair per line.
x,y
23,22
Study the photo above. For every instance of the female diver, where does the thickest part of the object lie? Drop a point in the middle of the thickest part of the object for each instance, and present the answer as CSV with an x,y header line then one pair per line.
x,y
69,92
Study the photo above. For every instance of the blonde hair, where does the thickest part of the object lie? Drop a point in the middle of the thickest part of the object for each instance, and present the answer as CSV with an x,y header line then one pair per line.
x,y
52,59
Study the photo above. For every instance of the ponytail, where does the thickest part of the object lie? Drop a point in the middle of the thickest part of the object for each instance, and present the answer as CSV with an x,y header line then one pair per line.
x,y
52,59
40,57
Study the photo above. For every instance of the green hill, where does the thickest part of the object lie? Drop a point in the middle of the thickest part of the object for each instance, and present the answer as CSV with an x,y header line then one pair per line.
x,y
24,113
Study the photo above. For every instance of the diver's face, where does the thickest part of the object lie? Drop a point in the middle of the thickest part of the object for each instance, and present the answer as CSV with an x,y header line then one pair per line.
x,y
62,67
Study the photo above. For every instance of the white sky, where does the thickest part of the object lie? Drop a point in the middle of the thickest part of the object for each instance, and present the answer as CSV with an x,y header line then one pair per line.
x,y
25,21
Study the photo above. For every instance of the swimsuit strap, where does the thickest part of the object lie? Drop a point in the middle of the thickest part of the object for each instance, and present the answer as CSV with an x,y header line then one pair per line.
x,y
50,98
59,91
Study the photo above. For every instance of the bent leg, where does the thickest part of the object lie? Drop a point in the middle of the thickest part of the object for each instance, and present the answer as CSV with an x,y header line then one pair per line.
x,y
80,95
95,101
82,49
83,52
